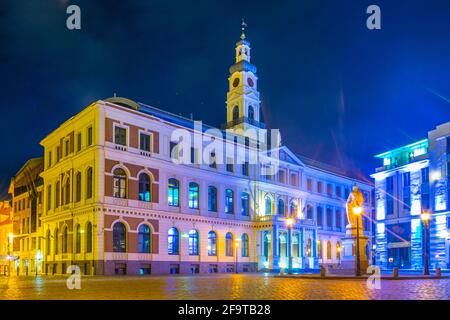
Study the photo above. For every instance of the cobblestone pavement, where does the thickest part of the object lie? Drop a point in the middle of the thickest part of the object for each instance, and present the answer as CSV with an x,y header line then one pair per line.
x,y
221,286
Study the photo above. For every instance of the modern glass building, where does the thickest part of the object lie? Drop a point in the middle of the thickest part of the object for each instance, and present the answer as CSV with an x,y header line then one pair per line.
x,y
412,180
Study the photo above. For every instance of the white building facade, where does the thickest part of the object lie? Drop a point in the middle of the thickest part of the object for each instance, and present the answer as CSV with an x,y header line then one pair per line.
x,y
117,200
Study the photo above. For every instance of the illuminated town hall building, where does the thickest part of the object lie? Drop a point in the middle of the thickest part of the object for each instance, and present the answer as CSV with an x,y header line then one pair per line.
x,y
114,201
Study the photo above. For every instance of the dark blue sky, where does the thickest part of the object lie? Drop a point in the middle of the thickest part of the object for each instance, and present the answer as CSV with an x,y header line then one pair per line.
x,y
310,54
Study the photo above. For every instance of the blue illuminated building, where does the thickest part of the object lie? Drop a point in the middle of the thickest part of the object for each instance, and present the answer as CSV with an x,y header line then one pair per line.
x,y
414,179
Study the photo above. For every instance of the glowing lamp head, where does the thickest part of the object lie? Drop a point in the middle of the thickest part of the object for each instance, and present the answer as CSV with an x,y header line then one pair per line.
x,y
425,216
339,249
357,210
289,222
10,237
435,176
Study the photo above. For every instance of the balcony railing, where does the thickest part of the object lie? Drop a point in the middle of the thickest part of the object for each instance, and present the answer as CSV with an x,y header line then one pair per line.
x,y
240,120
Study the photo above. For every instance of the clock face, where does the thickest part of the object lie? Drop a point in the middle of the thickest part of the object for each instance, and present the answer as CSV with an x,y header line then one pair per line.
x,y
235,82
250,82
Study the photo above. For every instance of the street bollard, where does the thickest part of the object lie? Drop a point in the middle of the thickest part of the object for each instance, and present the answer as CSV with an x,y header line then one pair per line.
x,y
395,273
323,272
438,272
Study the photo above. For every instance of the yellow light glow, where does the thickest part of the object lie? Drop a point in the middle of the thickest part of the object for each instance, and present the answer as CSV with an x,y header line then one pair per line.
x,y
289,222
435,176
425,216
11,237
357,210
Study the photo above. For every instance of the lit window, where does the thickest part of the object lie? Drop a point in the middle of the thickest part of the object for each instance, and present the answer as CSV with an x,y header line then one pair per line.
x,y
193,195
173,193
144,187
119,237
173,242
120,183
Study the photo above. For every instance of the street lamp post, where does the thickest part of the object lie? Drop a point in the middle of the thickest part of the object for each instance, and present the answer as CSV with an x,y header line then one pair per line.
x,y
10,241
236,245
339,253
38,260
357,211
425,216
289,223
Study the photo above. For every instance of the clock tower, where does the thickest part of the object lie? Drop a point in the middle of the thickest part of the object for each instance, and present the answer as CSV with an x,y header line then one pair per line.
x,y
243,104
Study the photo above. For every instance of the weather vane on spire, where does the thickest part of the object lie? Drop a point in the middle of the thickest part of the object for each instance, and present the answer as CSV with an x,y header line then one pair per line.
x,y
243,26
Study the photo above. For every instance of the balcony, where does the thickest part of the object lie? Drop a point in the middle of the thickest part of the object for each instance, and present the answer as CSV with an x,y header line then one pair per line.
x,y
241,120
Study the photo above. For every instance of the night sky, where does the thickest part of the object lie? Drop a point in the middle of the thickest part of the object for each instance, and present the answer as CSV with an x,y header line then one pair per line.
x,y
339,92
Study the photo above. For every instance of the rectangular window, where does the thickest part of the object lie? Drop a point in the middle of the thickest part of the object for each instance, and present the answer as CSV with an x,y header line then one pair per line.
x,y
389,195
58,154
338,192
66,147
230,165
49,159
294,180
212,160
245,169
173,150
79,142
120,136
282,176
309,184
49,197
329,190
145,141
194,156
319,187
89,136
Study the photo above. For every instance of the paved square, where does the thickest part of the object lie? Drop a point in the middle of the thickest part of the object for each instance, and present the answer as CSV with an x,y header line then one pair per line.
x,y
220,286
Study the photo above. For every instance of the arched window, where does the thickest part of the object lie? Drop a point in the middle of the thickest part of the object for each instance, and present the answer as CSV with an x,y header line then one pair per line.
x,y
173,241
119,237
144,238
89,237
229,208
212,199
251,113
144,187
281,208
245,204
319,249
55,241
245,245
309,212
49,244
193,243
338,250
89,182
120,183
193,195
173,192
235,113
67,192
64,240
78,239
268,205
57,192
293,208
319,216
329,255
212,243
229,244
78,187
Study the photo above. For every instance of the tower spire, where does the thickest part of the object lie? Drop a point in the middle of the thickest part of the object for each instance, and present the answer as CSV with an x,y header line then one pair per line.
x,y
243,26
